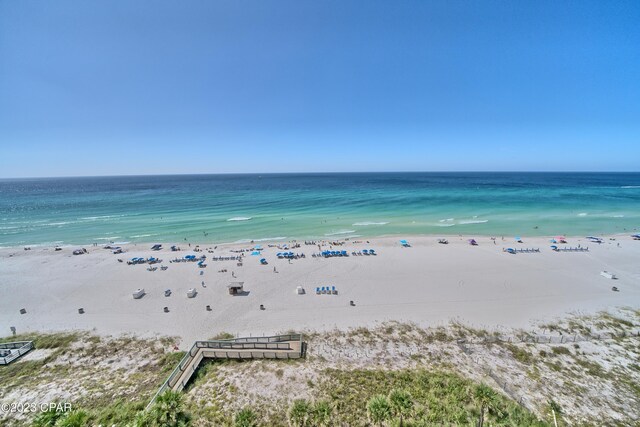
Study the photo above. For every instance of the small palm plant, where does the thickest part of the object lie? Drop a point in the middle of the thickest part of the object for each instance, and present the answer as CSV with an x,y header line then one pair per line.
x,y
76,418
486,398
48,418
167,411
379,409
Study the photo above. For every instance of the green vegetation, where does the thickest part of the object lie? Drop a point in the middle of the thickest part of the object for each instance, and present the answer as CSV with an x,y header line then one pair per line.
x,y
519,353
167,411
379,409
246,418
420,397
299,413
222,336
557,350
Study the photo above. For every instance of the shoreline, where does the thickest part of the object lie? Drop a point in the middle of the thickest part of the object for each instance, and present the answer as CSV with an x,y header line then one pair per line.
x,y
325,239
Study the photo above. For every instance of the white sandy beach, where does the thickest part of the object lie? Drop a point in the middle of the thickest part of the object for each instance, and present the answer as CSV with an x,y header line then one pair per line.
x,y
427,283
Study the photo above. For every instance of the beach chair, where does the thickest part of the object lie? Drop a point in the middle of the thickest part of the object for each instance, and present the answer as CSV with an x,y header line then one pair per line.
x,y
334,291
365,252
318,291
372,252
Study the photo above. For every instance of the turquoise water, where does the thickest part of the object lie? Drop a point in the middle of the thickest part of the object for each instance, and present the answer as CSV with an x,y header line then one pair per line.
x,y
230,208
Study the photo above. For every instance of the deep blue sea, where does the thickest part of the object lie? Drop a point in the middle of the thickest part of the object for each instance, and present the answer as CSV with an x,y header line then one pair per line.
x,y
231,208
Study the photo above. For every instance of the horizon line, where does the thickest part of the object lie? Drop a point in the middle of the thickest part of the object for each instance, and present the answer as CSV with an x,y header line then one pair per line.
x,y
310,173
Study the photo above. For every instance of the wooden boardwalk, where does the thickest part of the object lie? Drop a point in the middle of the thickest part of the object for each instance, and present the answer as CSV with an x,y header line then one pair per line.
x,y
275,347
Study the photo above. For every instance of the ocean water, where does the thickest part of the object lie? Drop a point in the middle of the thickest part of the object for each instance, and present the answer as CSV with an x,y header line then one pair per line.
x,y
233,208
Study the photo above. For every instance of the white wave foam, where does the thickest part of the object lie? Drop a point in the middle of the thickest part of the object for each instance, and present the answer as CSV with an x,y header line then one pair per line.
x,y
444,225
474,221
630,186
106,238
369,223
338,233
446,220
617,216
583,214
93,218
144,235
266,239
240,218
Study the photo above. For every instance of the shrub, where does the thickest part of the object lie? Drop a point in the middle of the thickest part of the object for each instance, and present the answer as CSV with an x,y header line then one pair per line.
x,y
401,402
246,418
321,413
379,409
167,411
299,413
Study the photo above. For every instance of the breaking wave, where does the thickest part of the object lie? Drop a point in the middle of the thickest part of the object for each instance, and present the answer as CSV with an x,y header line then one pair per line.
x,y
338,233
240,218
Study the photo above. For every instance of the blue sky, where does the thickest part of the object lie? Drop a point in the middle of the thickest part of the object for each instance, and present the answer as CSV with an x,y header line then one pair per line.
x,y
141,87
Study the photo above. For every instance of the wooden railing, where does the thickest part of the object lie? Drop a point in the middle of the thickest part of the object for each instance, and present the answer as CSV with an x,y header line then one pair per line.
x,y
17,349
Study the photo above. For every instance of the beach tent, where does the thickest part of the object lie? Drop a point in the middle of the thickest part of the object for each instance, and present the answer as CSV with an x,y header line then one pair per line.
x,y
299,290
255,253
263,261
235,288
